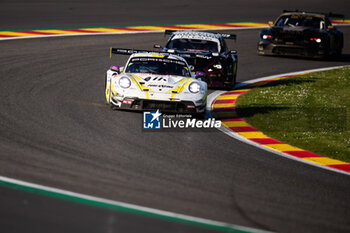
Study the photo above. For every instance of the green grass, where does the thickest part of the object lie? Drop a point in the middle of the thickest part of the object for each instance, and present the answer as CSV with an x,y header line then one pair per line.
x,y
309,111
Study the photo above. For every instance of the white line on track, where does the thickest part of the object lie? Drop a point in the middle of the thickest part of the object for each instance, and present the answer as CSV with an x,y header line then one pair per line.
x,y
136,208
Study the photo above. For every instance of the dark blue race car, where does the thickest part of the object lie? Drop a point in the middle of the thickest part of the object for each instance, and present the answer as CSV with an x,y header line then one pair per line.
x,y
206,53
296,33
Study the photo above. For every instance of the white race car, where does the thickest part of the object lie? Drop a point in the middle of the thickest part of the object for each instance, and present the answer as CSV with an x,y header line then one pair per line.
x,y
153,80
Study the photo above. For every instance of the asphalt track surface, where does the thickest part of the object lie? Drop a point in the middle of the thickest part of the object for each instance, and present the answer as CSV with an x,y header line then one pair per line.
x,y
18,14
55,130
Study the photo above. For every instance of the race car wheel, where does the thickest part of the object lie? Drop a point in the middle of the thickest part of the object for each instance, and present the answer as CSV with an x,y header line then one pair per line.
x,y
338,53
199,115
105,88
231,85
112,106
339,46
109,93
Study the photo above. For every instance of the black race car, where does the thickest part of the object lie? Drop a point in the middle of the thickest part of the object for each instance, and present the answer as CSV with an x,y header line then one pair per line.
x,y
206,53
297,33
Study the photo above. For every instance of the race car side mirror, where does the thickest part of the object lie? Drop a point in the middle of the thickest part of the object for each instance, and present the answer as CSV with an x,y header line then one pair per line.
x,y
121,69
115,69
270,23
200,74
157,46
233,52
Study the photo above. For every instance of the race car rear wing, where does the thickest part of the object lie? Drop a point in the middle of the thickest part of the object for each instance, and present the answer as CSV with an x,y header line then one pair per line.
x,y
130,51
329,15
173,51
225,36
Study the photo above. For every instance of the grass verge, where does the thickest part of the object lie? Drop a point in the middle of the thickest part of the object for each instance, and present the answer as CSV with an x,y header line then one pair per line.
x,y
309,111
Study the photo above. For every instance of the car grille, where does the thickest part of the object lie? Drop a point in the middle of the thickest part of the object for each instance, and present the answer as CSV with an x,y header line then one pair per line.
x,y
291,36
295,37
162,105
288,50
166,106
199,63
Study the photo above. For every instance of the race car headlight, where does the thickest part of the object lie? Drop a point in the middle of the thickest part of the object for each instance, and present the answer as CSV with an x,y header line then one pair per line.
x,y
265,37
124,82
217,66
194,87
318,40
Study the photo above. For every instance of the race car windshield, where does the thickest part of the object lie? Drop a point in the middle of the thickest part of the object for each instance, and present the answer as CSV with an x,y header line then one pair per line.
x,y
193,45
300,21
158,66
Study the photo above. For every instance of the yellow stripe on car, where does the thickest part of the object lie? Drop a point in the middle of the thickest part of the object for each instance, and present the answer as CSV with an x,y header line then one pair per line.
x,y
113,91
157,55
140,86
179,88
175,89
108,94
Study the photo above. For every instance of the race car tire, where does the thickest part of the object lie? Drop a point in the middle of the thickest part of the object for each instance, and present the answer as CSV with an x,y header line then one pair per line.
x,y
337,53
108,102
200,115
113,107
229,87
233,79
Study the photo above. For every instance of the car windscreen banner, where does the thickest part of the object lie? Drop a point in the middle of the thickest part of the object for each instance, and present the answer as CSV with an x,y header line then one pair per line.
x,y
165,60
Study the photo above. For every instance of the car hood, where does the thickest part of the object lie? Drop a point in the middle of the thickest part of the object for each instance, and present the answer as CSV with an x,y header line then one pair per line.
x,y
295,30
161,83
